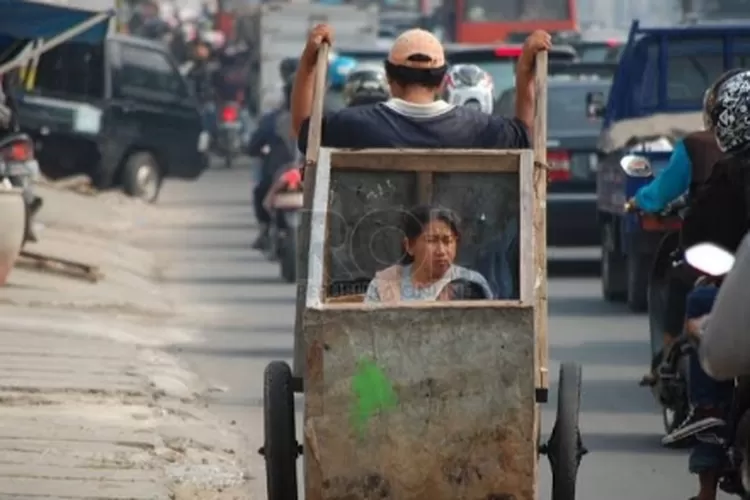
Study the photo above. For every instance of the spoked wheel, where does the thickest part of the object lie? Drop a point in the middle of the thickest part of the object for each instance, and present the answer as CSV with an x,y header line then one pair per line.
x,y
742,442
280,448
679,408
564,448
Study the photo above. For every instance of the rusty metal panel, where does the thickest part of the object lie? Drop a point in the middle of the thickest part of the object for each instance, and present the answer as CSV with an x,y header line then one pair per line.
x,y
428,402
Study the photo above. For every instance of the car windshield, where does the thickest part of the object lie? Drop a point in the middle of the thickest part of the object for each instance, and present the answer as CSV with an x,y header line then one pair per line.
x,y
594,53
567,108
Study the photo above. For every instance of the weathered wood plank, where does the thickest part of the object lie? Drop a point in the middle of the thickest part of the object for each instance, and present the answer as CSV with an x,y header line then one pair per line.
x,y
462,421
539,227
427,160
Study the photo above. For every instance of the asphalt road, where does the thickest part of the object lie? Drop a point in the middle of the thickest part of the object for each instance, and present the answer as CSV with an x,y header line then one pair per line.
x,y
235,300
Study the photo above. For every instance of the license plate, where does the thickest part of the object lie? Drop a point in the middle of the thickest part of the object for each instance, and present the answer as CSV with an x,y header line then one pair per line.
x,y
231,125
204,141
23,169
593,162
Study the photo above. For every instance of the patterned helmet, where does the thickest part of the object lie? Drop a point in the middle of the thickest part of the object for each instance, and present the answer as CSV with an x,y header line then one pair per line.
x,y
730,113
709,98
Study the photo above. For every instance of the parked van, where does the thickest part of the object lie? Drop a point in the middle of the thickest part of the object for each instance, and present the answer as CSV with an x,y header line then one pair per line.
x,y
119,112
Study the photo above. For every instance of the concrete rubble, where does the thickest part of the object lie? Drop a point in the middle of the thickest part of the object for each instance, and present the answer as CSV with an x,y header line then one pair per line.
x,y
90,407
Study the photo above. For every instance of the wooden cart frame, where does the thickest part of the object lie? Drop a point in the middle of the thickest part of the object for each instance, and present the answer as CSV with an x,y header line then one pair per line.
x,y
467,423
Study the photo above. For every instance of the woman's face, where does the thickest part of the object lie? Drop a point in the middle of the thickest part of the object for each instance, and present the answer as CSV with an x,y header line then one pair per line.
x,y
434,250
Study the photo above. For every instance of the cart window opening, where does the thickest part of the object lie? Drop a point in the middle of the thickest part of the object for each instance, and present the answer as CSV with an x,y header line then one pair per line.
x,y
71,70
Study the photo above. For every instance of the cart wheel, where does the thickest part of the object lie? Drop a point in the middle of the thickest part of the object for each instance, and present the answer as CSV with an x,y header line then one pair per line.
x,y
280,447
288,258
564,449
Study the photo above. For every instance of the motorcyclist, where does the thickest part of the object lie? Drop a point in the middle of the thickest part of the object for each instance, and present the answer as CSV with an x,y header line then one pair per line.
x,y
471,86
689,166
720,214
273,143
9,124
203,74
413,117
366,84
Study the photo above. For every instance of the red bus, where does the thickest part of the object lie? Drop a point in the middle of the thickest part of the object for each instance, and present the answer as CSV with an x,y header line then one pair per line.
x,y
491,21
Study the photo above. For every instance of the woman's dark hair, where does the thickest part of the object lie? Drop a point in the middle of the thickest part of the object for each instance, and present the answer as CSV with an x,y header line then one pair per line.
x,y
415,220
404,76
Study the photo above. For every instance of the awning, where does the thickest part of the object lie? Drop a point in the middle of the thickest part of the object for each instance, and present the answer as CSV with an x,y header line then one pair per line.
x,y
45,19
54,22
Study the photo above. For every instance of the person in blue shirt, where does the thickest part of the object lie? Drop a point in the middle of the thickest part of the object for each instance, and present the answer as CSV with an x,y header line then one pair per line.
x,y
670,184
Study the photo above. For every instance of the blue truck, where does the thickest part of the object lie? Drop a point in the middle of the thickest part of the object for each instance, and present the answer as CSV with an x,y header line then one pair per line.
x,y
656,98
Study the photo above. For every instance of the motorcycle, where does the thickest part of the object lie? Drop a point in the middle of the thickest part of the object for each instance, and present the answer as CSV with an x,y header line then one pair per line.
x,y
715,263
286,216
229,133
666,277
19,168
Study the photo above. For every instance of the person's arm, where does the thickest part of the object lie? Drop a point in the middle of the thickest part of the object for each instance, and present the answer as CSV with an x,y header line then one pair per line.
x,y
537,42
671,182
525,92
304,78
508,133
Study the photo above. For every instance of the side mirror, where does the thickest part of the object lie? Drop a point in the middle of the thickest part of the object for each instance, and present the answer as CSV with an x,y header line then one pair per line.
x,y
596,105
636,166
709,259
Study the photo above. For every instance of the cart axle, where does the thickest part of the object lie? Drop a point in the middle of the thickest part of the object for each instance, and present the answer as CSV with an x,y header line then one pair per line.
x,y
262,450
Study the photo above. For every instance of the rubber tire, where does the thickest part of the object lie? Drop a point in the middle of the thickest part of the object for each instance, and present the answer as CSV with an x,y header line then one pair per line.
x,y
657,304
288,260
280,442
565,443
614,288
129,175
637,272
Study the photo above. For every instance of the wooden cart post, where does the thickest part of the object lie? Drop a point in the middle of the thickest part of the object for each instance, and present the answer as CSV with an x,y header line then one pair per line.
x,y
540,223
311,163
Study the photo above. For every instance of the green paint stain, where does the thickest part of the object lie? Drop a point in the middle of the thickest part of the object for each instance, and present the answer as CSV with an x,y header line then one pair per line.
x,y
373,393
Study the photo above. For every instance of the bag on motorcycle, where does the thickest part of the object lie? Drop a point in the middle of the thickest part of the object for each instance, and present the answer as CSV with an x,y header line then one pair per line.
x,y
725,340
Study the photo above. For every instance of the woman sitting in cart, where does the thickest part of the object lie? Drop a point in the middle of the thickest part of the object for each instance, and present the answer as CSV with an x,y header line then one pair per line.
x,y
431,237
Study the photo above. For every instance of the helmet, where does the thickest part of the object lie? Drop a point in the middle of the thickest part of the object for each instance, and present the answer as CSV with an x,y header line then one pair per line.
x,y
709,98
287,69
730,111
338,69
469,85
366,84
